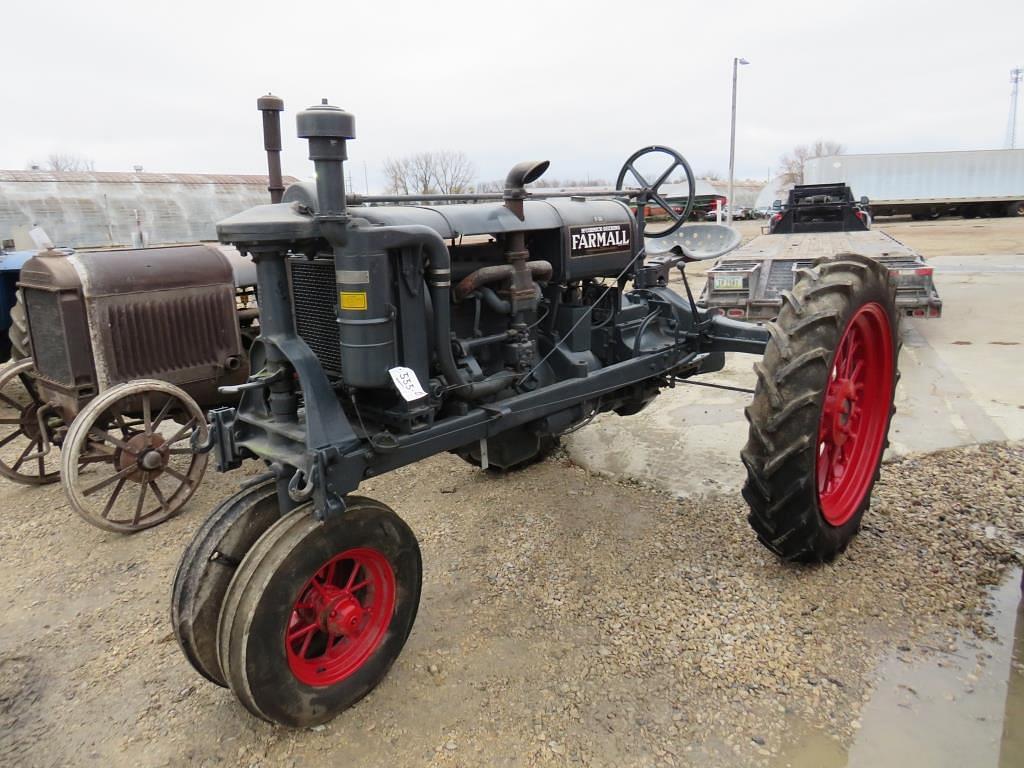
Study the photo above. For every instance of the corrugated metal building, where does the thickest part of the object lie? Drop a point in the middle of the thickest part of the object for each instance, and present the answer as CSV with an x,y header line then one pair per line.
x,y
121,209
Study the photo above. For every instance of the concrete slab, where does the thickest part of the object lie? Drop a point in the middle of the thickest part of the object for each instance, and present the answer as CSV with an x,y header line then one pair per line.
x,y
962,384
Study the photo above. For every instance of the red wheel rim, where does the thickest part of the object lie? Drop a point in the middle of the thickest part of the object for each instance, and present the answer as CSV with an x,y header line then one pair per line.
x,y
855,413
340,617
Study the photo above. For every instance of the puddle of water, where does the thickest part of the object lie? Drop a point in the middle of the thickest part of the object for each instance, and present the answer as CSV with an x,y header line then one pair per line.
x,y
946,710
1012,744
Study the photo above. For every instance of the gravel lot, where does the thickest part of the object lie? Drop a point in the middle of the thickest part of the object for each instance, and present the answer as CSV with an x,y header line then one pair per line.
x,y
566,618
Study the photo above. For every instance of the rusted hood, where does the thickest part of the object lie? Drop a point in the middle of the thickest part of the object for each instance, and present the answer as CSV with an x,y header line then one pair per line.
x,y
105,273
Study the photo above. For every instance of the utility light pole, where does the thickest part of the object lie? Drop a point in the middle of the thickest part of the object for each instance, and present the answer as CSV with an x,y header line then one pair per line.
x,y
732,136
1011,126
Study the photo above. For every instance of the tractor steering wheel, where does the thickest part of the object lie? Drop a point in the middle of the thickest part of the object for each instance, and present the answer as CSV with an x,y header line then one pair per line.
x,y
651,191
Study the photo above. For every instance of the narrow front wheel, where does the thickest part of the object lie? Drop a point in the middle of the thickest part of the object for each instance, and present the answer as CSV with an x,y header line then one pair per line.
x,y
207,566
317,612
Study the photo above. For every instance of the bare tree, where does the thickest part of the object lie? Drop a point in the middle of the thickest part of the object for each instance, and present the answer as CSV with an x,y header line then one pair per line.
x,y
496,185
397,171
429,173
453,172
421,173
67,161
411,175
709,175
793,162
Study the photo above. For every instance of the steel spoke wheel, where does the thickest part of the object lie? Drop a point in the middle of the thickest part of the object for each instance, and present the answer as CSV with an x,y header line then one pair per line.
x,y
855,413
317,612
340,616
207,566
30,431
127,462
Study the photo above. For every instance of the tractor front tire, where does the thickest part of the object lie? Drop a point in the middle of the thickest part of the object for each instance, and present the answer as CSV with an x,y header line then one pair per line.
x,y
207,567
317,612
822,407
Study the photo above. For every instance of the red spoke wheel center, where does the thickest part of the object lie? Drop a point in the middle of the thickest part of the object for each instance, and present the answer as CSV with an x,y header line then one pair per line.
x,y
855,413
340,617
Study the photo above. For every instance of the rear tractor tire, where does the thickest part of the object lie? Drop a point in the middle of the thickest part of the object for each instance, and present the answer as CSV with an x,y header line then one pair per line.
x,y
821,411
317,612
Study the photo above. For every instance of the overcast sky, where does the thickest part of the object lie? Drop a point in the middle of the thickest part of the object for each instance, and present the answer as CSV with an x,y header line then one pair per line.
x,y
172,85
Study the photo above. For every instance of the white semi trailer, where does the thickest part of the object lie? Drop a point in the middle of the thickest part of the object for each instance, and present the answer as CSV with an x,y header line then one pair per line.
x,y
988,182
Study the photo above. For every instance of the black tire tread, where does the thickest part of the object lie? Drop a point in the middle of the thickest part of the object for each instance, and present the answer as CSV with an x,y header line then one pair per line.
x,y
246,580
192,568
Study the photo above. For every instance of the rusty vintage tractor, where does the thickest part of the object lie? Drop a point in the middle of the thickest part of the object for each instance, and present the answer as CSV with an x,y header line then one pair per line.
x,y
126,349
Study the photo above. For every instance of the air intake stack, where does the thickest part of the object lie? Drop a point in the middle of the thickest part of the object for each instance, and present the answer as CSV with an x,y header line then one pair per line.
x,y
328,128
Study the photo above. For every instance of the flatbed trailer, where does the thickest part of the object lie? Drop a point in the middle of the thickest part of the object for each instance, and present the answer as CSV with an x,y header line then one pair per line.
x,y
748,282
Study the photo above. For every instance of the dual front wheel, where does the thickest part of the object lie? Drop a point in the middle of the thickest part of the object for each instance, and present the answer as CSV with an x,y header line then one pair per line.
x,y
300,618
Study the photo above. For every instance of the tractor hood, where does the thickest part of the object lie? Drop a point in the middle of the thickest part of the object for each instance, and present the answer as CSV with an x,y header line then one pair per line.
x,y
293,219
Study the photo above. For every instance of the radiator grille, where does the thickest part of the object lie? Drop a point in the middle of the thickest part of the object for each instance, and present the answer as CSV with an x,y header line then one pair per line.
x,y
49,339
314,298
160,335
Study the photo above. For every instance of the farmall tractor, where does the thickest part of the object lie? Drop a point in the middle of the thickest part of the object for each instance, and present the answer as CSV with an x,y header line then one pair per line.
x,y
390,333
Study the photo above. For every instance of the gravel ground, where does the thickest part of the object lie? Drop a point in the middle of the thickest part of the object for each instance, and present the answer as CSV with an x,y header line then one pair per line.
x,y
566,618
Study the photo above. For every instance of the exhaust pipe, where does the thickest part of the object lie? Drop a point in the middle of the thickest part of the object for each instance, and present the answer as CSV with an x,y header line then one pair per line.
x,y
271,106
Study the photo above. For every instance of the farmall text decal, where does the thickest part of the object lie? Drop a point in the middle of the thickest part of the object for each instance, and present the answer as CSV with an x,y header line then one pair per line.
x,y
599,238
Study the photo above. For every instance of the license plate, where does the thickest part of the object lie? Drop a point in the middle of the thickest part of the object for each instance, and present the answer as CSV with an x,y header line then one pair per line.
x,y
729,282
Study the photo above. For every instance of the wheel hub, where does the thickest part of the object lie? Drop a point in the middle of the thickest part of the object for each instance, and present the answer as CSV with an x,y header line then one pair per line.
x,y
30,421
840,403
338,611
146,452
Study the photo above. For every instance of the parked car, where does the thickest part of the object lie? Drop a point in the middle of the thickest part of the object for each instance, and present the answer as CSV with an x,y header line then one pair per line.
x,y
738,214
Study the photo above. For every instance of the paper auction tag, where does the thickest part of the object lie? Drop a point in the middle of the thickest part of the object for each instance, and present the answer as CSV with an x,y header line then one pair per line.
x,y
406,383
